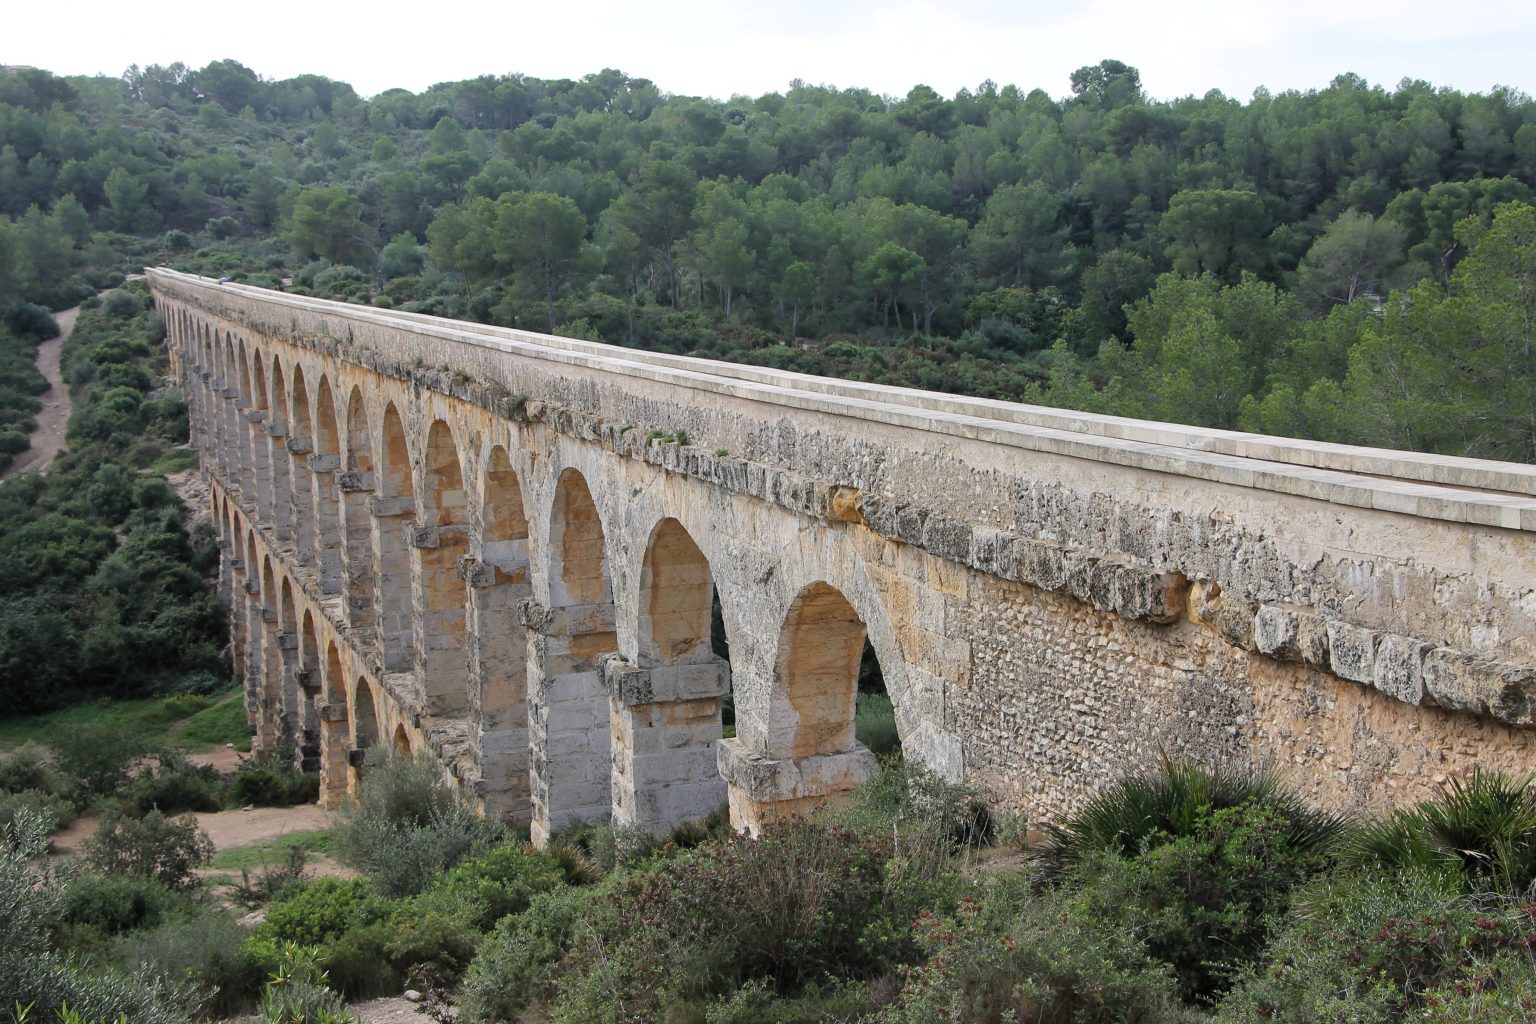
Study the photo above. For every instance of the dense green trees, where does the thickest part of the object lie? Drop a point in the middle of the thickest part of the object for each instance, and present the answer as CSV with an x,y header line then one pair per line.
x,y
832,230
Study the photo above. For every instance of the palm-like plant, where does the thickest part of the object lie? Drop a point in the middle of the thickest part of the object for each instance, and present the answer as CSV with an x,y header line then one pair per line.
x,y
1173,801
1481,831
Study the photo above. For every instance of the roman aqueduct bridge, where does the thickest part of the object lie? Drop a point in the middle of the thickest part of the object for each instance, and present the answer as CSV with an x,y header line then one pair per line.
x,y
505,548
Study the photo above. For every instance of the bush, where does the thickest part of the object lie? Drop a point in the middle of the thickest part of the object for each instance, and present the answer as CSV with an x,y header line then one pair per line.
x,y
1399,947
1481,832
321,911
122,304
501,882
207,947
1202,903
511,969
298,992
97,755
56,811
1018,957
1177,800
112,905
176,785
154,846
29,321
269,779
407,827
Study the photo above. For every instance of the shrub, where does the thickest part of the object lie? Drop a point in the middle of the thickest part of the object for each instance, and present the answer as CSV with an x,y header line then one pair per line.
x,y
511,969
269,779
112,905
154,846
1019,957
1202,902
321,911
298,992
1176,800
407,827
97,755
1481,832
122,304
1396,947
207,947
29,321
501,882
174,785
874,723
56,810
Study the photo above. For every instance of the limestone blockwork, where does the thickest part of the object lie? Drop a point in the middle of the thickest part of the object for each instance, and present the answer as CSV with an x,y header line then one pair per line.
x,y
525,554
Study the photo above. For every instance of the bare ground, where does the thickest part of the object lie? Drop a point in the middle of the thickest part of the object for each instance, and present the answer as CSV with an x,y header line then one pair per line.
x,y
48,439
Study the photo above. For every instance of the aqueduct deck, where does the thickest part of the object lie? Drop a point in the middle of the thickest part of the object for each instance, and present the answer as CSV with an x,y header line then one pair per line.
x,y
505,547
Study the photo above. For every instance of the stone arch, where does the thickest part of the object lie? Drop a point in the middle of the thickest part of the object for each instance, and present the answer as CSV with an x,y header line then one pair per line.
x,y
569,739
282,461
498,644
300,447
440,541
324,465
356,484
666,707
334,719
365,727
394,510
310,681
242,422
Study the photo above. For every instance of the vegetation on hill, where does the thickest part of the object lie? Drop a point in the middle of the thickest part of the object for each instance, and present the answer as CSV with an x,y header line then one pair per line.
x,y
1350,263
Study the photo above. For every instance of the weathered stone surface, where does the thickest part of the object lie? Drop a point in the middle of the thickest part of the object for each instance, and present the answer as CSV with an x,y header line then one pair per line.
x,y
1352,652
1399,668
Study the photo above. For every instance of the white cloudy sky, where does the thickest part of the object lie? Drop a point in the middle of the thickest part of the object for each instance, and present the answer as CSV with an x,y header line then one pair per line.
x,y
731,47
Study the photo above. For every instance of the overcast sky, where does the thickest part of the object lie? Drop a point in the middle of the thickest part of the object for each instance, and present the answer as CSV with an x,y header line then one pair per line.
x,y
725,47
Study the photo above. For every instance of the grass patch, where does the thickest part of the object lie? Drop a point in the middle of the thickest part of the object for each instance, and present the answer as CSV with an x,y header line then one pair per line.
x,y
874,723
154,719
273,851
177,460
223,722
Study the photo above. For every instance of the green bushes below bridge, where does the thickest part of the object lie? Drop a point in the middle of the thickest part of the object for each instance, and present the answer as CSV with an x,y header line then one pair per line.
x,y
1185,895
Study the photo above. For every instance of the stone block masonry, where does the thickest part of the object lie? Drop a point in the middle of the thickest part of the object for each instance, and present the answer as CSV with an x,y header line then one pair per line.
x,y
506,548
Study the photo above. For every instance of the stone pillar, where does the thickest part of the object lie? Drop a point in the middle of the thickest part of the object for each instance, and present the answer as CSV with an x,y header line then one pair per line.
x,y
762,789
335,743
261,464
290,713
568,728
498,678
392,580
357,550
268,673
303,499
282,471
438,615
325,513
665,722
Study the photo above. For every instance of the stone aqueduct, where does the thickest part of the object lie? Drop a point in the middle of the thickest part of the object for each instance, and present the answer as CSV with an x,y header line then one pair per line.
x,y
504,548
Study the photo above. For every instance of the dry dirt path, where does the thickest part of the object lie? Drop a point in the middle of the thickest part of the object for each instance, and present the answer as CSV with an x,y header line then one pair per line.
x,y
48,439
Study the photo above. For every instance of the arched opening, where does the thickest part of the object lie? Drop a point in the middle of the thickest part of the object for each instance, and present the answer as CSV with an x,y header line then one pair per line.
x,y
310,681
357,523
269,663
441,661
402,741
242,428
300,448
393,512
817,672
365,727
499,644
667,720
324,464
570,740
